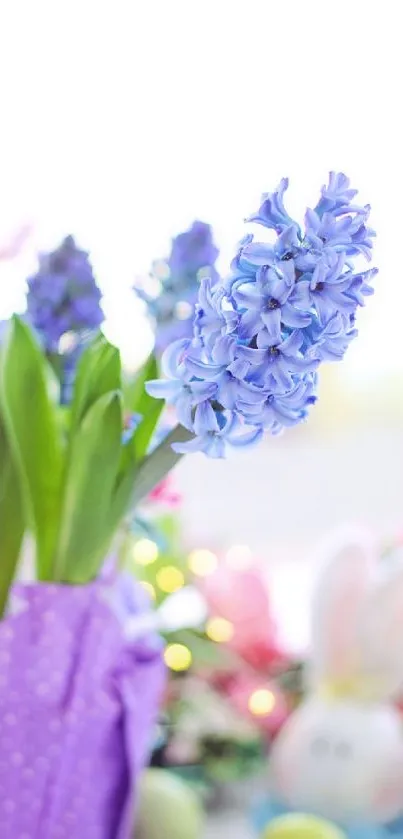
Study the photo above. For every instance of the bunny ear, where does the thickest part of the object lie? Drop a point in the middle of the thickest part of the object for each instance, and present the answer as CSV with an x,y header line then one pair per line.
x,y
381,637
338,603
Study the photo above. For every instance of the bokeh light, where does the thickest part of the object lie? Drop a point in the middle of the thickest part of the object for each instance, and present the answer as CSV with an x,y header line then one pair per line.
x,y
261,702
170,579
145,552
177,657
219,630
202,562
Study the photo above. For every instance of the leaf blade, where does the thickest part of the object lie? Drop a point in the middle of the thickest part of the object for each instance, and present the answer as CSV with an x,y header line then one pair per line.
x,y
34,437
12,523
86,530
98,372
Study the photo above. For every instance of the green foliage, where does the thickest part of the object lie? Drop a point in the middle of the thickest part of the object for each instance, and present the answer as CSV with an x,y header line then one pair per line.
x,y
11,519
66,474
34,435
98,372
138,401
90,477
158,463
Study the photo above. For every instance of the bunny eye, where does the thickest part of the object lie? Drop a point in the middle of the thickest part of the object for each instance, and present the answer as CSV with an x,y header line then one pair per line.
x,y
320,746
343,750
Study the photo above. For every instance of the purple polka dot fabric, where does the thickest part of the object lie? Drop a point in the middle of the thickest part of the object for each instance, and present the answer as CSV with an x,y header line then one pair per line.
x,y
77,706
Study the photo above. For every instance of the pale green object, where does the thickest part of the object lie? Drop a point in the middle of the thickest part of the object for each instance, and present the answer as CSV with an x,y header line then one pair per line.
x,y
168,807
300,826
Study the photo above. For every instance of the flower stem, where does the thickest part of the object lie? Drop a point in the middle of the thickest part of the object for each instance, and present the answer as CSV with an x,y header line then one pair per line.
x,y
156,465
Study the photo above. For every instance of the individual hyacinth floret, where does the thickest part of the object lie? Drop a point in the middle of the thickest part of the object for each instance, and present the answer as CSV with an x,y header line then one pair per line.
x,y
260,335
63,295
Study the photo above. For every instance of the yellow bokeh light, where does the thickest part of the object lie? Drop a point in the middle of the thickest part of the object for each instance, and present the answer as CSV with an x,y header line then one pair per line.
x,y
170,579
261,702
149,589
239,557
145,552
177,657
202,562
219,630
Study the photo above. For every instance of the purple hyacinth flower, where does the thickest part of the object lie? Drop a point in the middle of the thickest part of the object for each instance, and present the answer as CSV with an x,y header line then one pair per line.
x,y
332,340
178,388
266,303
324,290
172,301
193,250
287,247
63,295
261,334
276,358
337,193
272,213
216,431
344,230
283,409
214,314
359,287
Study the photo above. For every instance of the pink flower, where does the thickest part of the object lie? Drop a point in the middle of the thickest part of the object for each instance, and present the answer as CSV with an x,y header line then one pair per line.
x,y
163,494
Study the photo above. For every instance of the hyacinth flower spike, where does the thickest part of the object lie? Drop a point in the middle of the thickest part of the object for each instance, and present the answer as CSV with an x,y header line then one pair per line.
x,y
261,334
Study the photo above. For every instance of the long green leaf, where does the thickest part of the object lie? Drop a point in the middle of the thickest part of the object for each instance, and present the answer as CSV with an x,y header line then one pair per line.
x,y
11,519
138,479
156,465
138,401
122,493
136,398
144,433
85,532
98,372
33,430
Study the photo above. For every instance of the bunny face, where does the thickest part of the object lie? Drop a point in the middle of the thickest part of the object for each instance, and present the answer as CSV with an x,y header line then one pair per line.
x,y
341,753
342,760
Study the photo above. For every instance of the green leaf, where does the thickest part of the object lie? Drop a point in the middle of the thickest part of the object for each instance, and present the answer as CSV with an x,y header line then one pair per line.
x,y
33,431
11,519
137,400
122,491
86,531
98,372
145,430
156,465
138,479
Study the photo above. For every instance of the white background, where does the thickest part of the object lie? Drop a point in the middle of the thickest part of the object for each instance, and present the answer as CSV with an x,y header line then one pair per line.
x,y
123,121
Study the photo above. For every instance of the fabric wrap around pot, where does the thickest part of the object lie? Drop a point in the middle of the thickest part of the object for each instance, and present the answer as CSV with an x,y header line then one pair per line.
x,y
77,706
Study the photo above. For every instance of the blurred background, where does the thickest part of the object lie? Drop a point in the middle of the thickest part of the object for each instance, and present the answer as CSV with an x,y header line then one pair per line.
x,y
123,122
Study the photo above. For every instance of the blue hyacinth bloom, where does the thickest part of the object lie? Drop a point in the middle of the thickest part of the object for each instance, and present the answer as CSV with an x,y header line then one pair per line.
x,y
63,296
177,281
260,335
64,307
272,213
192,250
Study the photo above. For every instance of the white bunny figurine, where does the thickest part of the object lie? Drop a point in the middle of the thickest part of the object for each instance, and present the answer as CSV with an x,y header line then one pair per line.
x,y
340,754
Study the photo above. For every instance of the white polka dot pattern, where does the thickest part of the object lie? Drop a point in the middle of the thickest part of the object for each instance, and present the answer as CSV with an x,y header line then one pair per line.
x,y
76,706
